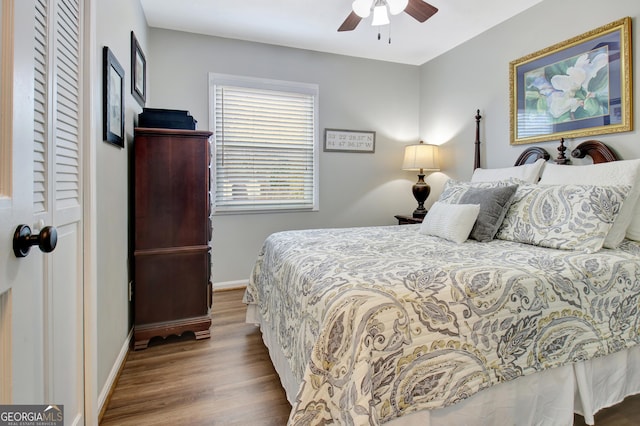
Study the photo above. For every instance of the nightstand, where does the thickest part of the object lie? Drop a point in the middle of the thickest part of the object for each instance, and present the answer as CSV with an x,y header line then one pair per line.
x,y
407,220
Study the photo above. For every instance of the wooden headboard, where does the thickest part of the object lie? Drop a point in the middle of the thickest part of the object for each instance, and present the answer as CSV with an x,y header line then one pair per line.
x,y
598,151
531,155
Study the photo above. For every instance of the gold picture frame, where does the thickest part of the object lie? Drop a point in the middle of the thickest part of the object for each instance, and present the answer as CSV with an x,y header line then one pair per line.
x,y
580,87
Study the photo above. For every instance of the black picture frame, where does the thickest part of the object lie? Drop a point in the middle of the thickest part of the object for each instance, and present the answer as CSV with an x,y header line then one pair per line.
x,y
138,72
113,99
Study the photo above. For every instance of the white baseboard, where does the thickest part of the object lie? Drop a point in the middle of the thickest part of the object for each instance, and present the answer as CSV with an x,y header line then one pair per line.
x,y
117,366
113,374
228,285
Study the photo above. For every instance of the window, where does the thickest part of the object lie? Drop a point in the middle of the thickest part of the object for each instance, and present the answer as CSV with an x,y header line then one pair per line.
x,y
265,144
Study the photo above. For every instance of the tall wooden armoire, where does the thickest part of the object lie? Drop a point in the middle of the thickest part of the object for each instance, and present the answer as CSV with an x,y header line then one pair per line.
x,y
172,233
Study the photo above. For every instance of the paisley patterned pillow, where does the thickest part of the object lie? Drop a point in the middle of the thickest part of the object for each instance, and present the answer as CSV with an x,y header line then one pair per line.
x,y
623,172
453,190
570,217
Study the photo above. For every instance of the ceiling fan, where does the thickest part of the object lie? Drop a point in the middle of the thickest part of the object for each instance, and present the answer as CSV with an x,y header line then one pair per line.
x,y
418,9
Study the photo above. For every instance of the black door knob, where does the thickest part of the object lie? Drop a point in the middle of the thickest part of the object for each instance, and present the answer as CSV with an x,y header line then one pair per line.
x,y
47,240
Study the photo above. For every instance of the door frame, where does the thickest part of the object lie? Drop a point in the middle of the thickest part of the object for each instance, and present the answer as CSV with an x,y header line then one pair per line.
x,y
91,131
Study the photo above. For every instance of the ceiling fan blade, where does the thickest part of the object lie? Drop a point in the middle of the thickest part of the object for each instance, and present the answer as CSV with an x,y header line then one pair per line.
x,y
420,10
350,23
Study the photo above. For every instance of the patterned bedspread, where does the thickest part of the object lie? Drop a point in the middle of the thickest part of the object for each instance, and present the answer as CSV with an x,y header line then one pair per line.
x,y
380,322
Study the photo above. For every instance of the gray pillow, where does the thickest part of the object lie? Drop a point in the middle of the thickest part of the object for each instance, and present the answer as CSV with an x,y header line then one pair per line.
x,y
494,203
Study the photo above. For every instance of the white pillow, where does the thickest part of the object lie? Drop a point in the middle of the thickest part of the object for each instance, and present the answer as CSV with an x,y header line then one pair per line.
x,y
529,173
625,173
452,222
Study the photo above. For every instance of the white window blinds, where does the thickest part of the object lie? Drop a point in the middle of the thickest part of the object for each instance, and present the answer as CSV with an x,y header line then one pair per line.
x,y
265,144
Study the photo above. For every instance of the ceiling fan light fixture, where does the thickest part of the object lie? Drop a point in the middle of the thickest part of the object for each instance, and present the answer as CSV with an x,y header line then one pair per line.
x,y
380,16
362,8
397,6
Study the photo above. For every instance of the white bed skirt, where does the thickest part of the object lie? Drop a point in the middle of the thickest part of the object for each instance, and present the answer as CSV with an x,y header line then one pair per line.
x,y
550,397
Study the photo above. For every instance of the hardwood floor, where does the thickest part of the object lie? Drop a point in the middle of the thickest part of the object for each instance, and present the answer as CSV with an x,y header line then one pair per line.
x,y
228,380
225,380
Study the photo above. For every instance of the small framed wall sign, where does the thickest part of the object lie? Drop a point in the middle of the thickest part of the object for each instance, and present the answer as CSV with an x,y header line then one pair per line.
x,y
138,71
337,140
113,99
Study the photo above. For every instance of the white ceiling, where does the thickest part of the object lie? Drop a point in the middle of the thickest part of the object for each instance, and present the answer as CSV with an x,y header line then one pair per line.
x,y
313,24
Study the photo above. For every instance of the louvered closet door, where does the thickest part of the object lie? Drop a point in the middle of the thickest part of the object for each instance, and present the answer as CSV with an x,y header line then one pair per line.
x,y
57,192
41,295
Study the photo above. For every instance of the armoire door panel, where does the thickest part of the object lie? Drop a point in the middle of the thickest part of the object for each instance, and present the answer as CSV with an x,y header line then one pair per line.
x,y
171,191
171,285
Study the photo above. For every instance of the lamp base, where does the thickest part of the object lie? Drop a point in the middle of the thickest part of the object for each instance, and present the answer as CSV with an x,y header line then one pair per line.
x,y
421,191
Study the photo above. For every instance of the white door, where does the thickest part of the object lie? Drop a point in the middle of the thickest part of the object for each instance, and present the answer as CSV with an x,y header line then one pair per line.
x,y
41,315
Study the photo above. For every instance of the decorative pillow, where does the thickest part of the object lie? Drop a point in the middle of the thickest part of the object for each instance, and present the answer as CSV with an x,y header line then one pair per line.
x,y
529,173
452,222
453,190
494,203
570,217
614,173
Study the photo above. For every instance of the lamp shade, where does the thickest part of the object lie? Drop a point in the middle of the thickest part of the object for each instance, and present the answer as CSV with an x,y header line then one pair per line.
x,y
421,156
380,16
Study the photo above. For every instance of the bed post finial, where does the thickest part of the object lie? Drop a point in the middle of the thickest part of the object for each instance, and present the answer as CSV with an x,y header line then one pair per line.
x,y
476,162
562,159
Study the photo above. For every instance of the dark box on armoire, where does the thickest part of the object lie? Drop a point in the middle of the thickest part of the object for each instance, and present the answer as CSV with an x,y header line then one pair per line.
x,y
166,119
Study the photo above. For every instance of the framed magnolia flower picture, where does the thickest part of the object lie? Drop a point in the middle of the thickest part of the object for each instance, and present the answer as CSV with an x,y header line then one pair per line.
x,y
580,87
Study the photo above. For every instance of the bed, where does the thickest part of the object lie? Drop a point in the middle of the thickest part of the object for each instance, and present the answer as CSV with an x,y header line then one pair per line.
x,y
406,325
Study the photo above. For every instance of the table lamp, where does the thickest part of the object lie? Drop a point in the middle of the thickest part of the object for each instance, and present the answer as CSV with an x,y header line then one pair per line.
x,y
422,157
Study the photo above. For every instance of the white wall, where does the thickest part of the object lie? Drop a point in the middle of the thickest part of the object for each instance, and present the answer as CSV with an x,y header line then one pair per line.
x,y
115,21
476,75
355,189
